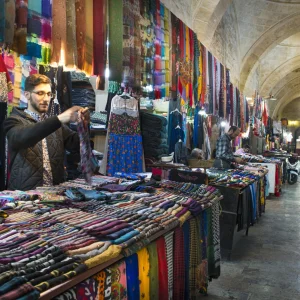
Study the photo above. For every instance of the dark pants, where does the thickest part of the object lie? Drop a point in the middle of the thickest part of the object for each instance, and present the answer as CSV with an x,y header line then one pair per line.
x,y
222,164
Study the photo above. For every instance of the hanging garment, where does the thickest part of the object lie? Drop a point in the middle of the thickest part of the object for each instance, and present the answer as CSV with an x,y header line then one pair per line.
x,y
71,50
80,32
59,31
85,149
124,141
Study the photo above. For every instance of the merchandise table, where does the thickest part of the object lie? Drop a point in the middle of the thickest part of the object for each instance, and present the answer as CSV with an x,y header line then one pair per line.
x,y
50,243
239,211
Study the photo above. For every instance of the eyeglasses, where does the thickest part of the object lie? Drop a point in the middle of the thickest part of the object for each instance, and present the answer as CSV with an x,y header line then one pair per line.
x,y
42,94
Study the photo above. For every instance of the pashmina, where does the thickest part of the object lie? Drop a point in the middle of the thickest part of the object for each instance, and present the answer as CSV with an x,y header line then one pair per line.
x,y
59,31
144,269
132,274
153,273
163,292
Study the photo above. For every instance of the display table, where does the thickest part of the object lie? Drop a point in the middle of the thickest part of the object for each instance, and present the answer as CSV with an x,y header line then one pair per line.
x,y
239,212
71,235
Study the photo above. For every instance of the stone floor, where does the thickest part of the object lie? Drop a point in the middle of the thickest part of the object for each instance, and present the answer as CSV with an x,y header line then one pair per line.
x,y
266,264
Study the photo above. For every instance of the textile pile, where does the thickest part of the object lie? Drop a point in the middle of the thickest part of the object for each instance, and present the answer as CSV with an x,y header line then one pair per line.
x,y
154,132
50,235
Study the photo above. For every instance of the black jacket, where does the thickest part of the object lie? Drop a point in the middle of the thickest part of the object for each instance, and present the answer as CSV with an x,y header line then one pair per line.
x,y
25,152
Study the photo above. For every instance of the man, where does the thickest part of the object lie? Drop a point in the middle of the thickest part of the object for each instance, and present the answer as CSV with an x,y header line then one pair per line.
x,y
37,143
244,150
224,154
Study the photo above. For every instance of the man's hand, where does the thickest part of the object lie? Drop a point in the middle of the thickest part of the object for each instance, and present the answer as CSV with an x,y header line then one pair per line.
x,y
85,113
239,160
70,115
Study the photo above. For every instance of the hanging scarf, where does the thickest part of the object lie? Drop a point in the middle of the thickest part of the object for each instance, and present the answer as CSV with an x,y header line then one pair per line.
x,y
144,269
59,31
228,96
71,51
115,40
88,59
179,265
204,74
99,37
10,15
162,269
153,273
132,274
2,21
80,32
85,149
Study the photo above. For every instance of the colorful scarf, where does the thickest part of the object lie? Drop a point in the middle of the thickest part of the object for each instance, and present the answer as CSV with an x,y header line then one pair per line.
x,y
153,273
144,269
132,274
162,269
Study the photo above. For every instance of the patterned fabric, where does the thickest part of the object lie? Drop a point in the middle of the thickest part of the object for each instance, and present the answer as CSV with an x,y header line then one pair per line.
x,y
169,254
132,274
153,273
85,149
179,265
118,281
224,149
47,172
162,269
144,268
71,46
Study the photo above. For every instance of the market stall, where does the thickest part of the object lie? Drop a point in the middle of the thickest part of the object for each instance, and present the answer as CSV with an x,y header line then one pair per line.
x,y
53,238
244,193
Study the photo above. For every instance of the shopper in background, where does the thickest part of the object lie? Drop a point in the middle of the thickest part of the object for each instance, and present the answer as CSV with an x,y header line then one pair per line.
x,y
36,142
244,150
224,153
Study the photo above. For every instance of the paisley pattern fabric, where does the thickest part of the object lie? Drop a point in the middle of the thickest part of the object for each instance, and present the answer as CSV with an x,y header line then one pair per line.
x,y
47,172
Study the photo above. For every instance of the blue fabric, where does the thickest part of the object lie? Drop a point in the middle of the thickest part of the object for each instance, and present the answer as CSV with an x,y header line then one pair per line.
x,y
196,124
253,198
132,275
2,20
186,238
124,154
35,6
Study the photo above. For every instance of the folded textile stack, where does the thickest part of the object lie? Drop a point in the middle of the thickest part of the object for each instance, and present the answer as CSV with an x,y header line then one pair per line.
x,y
259,158
83,94
57,235
154,132
99,117
234,178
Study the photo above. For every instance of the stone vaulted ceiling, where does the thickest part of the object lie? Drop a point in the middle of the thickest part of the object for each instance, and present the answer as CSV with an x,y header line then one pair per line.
x,y
259,40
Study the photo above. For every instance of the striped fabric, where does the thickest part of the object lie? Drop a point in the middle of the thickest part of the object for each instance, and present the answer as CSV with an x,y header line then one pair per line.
x,y
169,240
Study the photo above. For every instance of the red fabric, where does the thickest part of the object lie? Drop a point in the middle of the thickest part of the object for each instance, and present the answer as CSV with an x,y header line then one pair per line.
x,y
99,36
192,59
178,265
231,104
203,92
265,115
162,269
4,69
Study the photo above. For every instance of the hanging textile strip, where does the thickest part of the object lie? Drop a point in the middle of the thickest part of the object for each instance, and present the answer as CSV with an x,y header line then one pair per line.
x,y
88,58
153,273
175,32
169,242
179,265
10,15
85,149
80,32
238,108
228,97
115,40
211,83
197,70
214,71
162,269
99,39
59,31
144,268
204,74
195,256
132,274
118,281
191,60
2,21
71,50
35,6
187,258
242,113
222,92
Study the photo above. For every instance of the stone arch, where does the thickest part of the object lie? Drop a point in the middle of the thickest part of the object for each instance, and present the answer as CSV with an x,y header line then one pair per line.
x,y
207,16
275,35
284,101
281,72
289,86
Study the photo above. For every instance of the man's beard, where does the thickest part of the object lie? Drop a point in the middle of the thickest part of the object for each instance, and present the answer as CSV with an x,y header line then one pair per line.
x,y
38,107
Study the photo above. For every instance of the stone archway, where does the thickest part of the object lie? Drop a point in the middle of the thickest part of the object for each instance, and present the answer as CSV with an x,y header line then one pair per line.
x,y
272,37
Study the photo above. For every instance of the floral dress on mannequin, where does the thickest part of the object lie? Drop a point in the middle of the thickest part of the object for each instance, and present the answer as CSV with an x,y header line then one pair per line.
x,y
124,149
